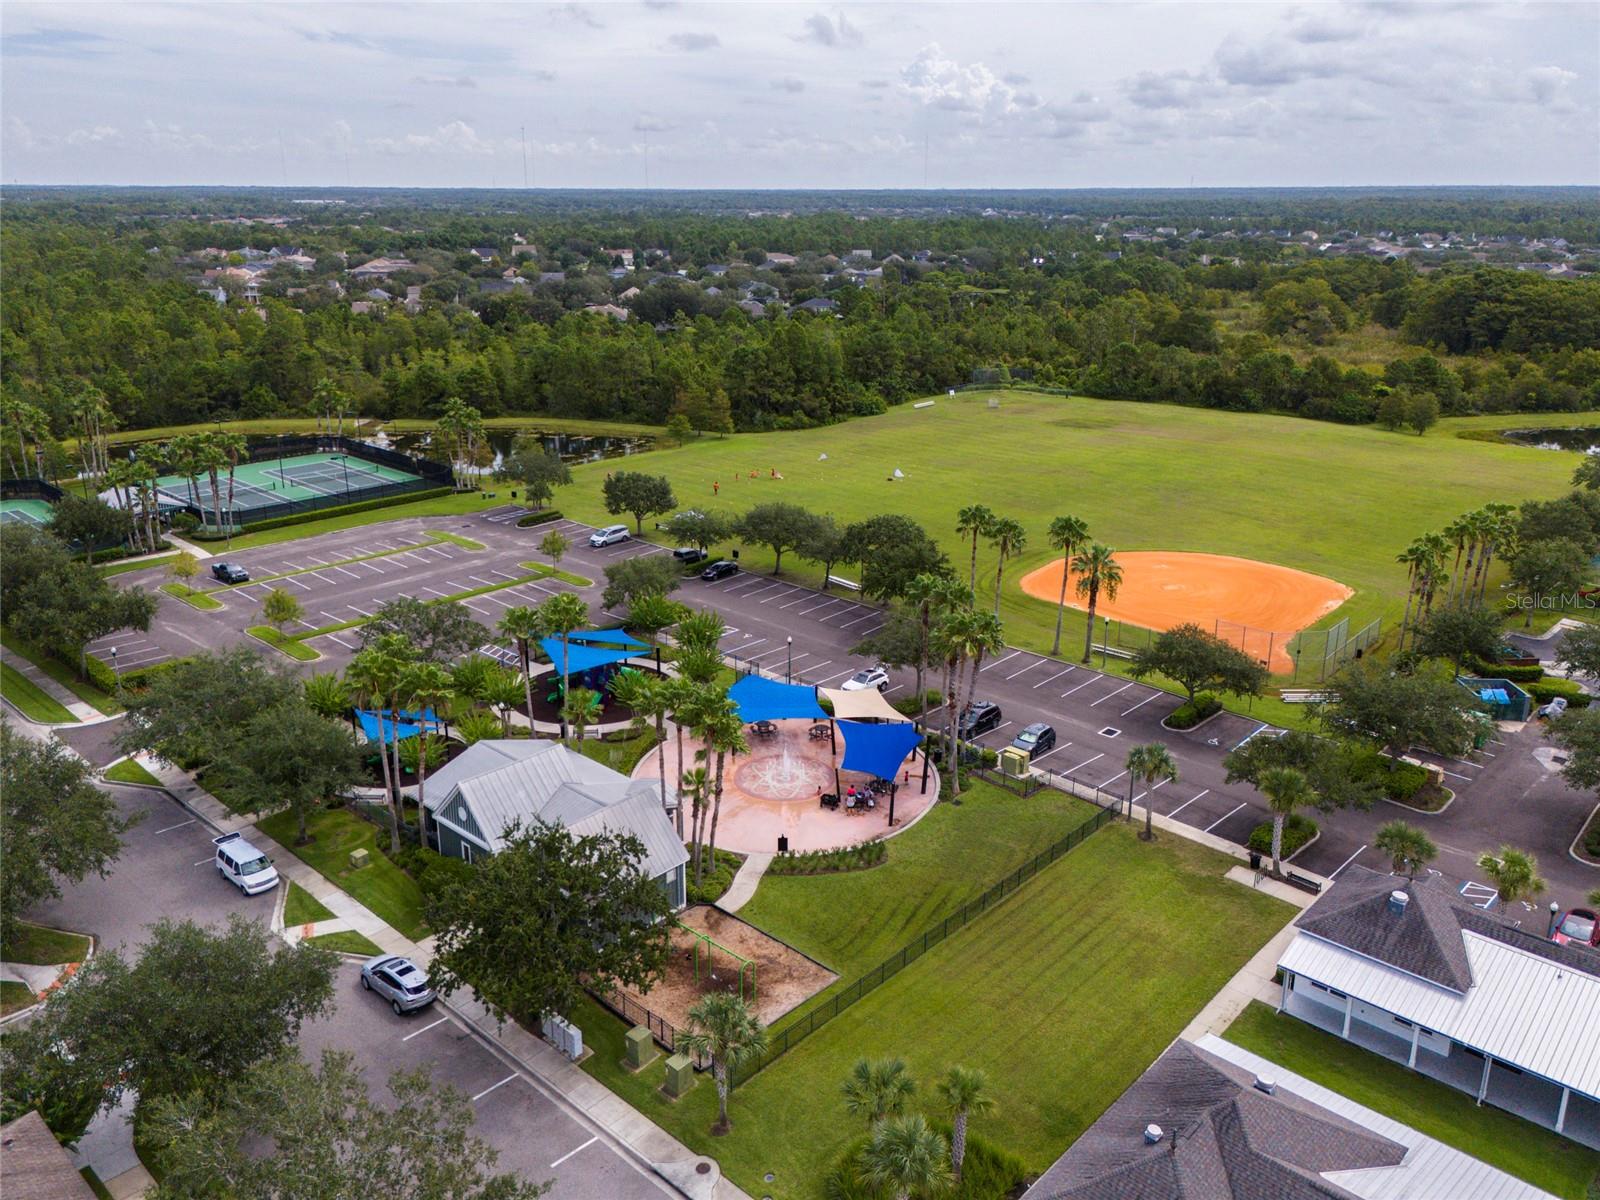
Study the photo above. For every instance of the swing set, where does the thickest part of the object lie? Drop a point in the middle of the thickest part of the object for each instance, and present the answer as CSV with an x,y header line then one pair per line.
x,y
700,950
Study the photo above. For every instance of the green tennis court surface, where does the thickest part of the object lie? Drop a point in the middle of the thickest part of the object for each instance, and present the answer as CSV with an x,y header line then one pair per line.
x,y
276,481
25,512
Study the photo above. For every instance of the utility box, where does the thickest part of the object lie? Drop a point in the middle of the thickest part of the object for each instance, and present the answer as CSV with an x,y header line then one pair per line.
x,y
641,1048
680,1076
359,859
566,1037
1013,763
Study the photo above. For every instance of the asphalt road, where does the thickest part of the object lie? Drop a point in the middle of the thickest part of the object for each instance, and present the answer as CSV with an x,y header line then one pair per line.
x,y
1507,793
166,871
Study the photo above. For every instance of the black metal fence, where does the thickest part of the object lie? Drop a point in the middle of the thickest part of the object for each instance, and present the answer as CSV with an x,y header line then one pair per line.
x,y
781,1041
630,1010
29,489
290,446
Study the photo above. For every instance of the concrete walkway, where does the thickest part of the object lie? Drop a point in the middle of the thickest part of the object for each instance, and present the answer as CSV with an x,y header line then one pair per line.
x,y
631,1129
86,713
745,882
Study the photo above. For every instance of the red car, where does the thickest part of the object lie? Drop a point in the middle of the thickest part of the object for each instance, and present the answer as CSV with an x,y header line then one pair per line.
x,y
1578,925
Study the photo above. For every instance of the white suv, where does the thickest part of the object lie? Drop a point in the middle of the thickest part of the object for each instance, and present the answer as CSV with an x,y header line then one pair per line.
x,y
242,865
609,536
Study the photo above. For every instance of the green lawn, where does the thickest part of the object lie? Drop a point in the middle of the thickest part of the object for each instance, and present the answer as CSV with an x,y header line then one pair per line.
x,y
191,596
30,699
129,771
348,941
60,672
14,996
1337,500
1500,1139
1057,994
300,907
622,755
853,921
380,885
136,564
287,645
45,947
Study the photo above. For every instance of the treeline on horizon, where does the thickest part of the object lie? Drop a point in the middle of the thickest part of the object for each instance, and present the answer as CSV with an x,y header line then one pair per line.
x,y
100,305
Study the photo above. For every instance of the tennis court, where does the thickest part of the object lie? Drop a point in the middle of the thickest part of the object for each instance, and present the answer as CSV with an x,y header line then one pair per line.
x,y
25,512
271,486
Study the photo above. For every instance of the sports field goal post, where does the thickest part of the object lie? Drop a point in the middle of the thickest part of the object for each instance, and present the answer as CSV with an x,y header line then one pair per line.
x,y
700,951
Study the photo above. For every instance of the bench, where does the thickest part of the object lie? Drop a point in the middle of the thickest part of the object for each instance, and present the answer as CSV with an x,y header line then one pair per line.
x,y
847,584
1304,696
1113,651
1302,882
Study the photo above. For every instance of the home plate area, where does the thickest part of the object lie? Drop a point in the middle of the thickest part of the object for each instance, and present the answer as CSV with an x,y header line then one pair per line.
x,y
714,951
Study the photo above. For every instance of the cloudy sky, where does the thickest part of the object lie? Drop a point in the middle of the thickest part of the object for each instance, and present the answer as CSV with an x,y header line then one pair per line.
x,y
756,94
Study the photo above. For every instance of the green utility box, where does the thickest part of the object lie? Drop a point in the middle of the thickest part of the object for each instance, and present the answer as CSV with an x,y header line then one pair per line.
x,y
358,859
1013,763
680,1077
641,1048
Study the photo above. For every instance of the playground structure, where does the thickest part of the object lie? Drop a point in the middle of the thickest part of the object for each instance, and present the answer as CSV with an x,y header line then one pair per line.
x,y
702,952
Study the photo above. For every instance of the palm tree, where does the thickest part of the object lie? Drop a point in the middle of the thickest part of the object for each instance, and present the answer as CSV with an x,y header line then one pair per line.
x,y
428,686
694,785
928,595
470,677
878,1089
1008,538
650,697
722,1027
1514,873
477,726
182,454
906,1155
964,636
1098,571
210,457
1414,558
580,708
1499,533
503,690
1286,789
984,637
1438,550
328,696
1146,764
563,615
524,624
120,479
702,631
724,735
974,521
234,447
1459,533
1408,848
369,675
965,1093
145,475
1068,535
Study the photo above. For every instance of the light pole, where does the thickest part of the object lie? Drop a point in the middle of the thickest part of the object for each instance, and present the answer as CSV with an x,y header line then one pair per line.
x,y
116,674
788,671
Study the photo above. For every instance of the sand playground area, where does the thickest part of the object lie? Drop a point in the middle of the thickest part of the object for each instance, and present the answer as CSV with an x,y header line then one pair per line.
x,y
1256,605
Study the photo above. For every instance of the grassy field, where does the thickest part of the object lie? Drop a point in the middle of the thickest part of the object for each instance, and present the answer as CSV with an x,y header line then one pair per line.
x,y
1082,1003
45,947
1500,1139
14,997
129,771
1336,500
30,699
300,907
380,885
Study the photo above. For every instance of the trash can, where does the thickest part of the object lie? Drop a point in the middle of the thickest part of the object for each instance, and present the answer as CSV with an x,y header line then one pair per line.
x,y
1255,861
783,845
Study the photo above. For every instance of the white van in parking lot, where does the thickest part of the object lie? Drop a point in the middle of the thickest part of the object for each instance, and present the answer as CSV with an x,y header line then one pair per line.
x,y
242,865
609,536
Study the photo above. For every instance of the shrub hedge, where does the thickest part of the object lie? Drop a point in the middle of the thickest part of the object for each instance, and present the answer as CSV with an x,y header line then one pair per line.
x,y
543,517
717,879
1190,713
317,515
1514,674
828,862
1297,831
1549,689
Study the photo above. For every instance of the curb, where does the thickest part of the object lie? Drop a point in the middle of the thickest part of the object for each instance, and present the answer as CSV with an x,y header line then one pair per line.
x,y
1573,848
1424,812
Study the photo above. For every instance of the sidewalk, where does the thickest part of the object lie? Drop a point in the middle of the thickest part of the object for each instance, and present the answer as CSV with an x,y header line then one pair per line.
x,y
629,1128
87,714
745,882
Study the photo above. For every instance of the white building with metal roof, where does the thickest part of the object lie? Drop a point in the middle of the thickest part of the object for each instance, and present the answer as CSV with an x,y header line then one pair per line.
x,y
497,783
1410,970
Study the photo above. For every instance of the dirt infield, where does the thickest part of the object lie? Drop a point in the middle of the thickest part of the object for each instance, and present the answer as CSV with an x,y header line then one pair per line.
x,y
1259,605
784,978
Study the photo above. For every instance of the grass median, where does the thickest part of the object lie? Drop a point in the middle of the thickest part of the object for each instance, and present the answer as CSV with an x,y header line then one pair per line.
x,y
31,700
192,596
43,946
380,885
293,648
130,771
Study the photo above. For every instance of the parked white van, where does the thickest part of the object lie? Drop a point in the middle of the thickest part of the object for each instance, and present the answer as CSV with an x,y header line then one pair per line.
x,y
242,865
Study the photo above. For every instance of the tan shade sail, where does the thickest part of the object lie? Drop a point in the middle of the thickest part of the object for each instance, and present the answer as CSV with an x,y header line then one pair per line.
x,y
866,705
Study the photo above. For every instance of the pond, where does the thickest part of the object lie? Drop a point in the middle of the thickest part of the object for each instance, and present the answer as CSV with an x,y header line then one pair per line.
x,y
1571,437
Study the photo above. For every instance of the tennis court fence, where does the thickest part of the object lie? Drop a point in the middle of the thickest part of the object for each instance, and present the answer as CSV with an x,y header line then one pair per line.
x,y
29,489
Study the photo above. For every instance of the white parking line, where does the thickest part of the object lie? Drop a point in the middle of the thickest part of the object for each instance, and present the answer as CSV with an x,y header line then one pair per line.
x,y
769,599
293,582
804,596
998,661
806,612
321,576
748,645
179,825
372,567
840,675
424,1029
1026,669
1347,862
827,662
1142,703
570,1153
1048,753
1052,678
1188,802
1108,695
1223,818
436,592
858,620
1085,763
1113,779
1092,678
342,571
492,1087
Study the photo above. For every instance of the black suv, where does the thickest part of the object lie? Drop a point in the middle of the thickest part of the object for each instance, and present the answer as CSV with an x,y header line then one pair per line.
x,y
230,572
979,718
1035,740
720,569
689,555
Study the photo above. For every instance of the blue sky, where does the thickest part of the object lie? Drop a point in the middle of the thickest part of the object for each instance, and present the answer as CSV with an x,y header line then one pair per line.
x,y
798,95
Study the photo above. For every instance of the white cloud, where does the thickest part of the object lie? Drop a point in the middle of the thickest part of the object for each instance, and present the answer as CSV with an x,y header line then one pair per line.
x,y
825,31
453,138
939,82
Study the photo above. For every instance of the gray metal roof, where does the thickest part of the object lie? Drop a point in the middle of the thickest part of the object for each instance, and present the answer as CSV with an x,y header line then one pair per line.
x,y
1231,1141
507,781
